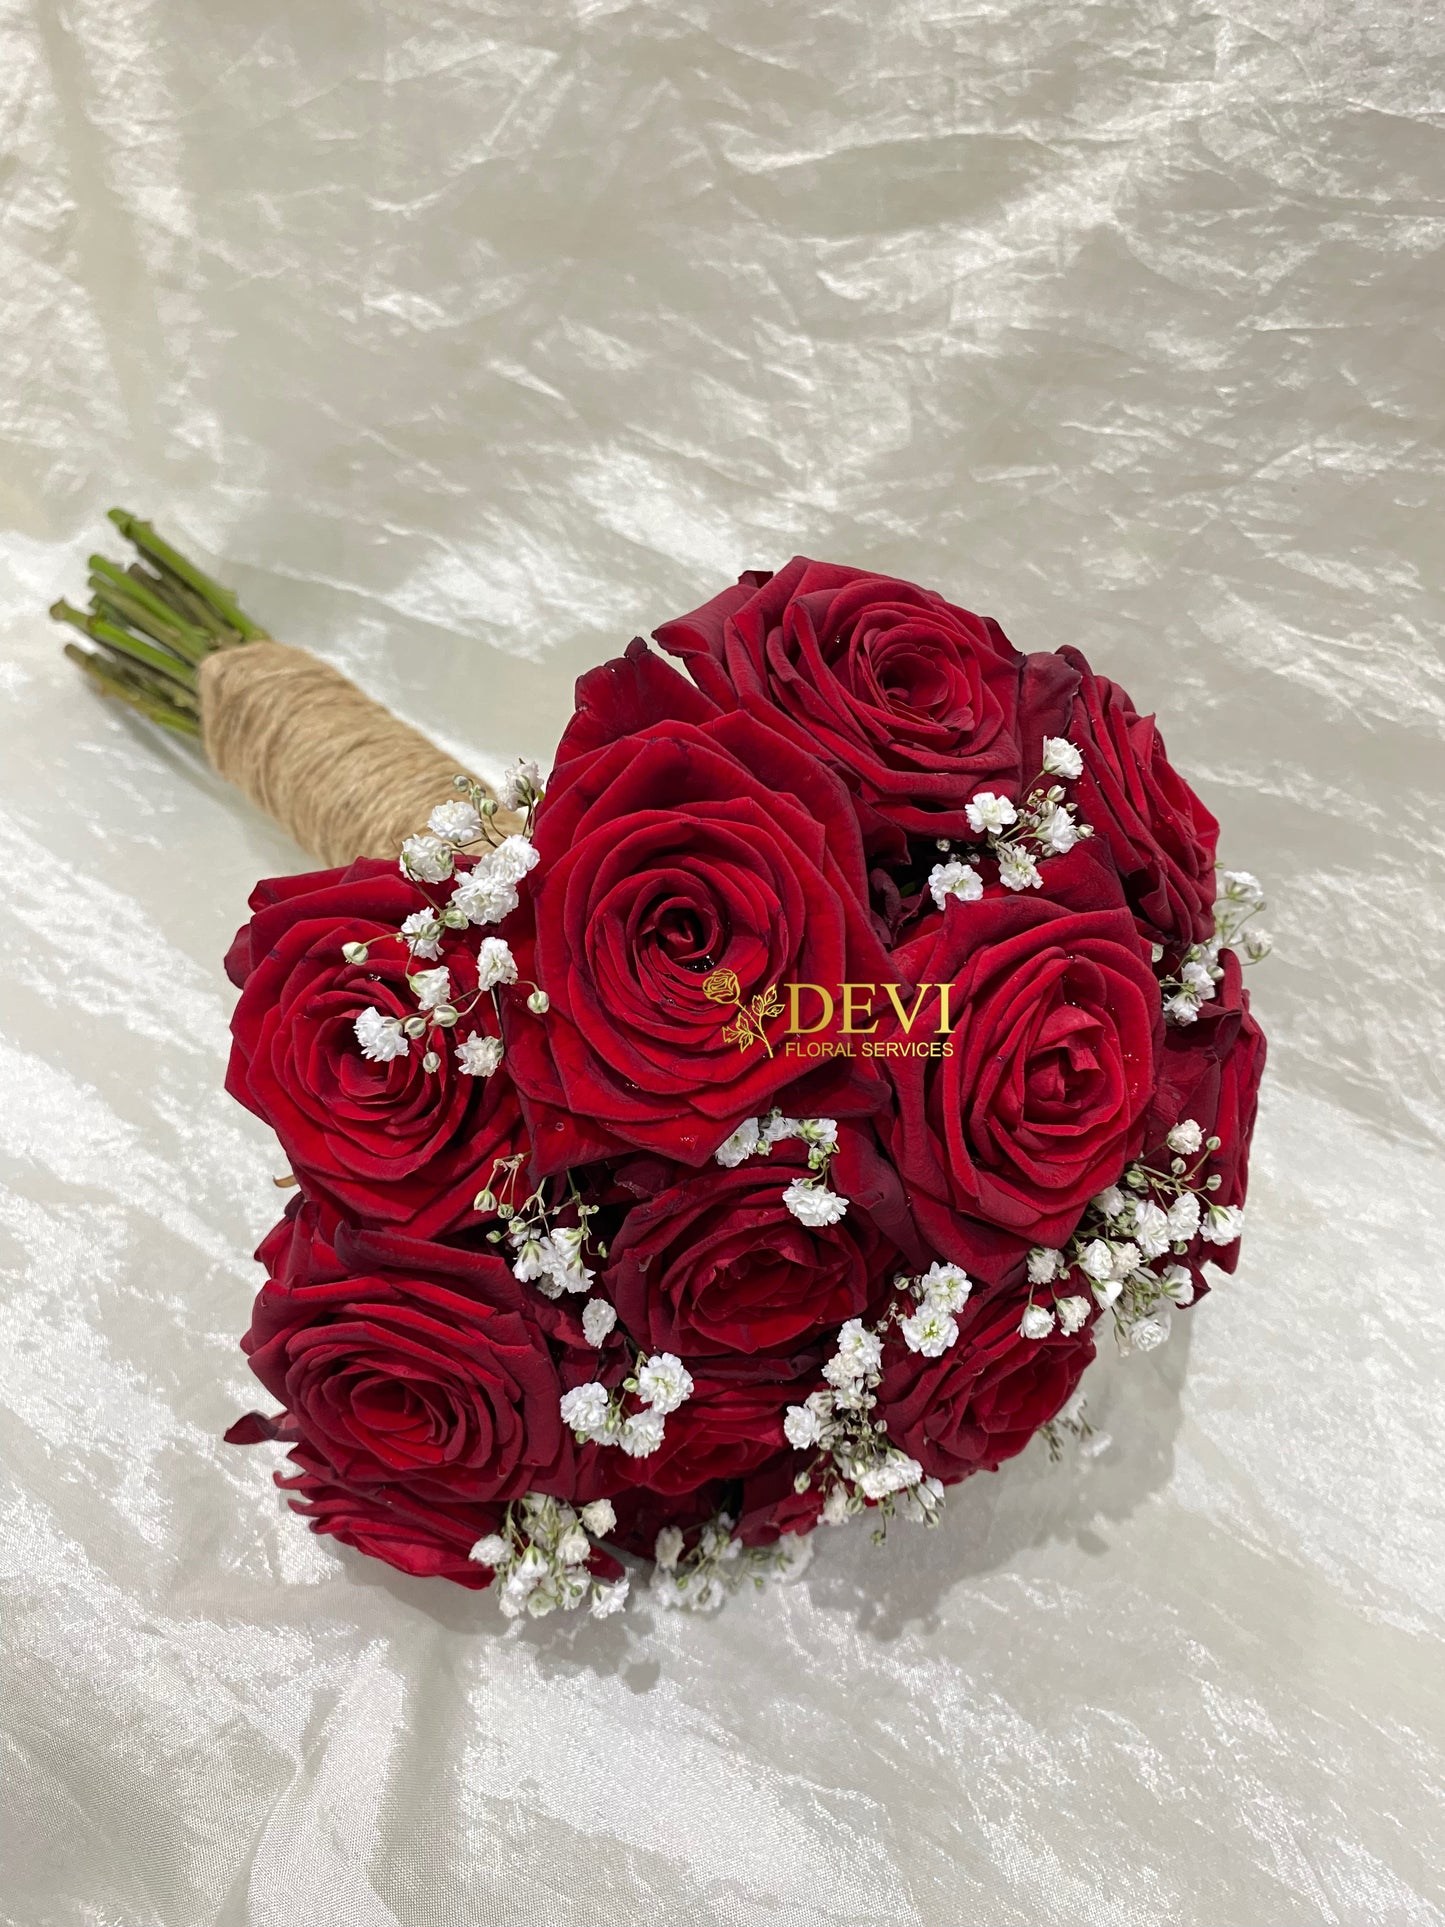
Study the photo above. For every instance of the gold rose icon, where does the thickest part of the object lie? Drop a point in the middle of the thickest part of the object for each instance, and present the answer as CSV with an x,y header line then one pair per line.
x,y
722,987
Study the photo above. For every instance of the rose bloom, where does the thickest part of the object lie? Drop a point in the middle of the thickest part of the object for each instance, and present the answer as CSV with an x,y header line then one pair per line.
x,y
983,1399
681,850
437,1373
1162,837
913,701
1210,1070
1055,1022
387,1142
715,1261
426,1537
726,1429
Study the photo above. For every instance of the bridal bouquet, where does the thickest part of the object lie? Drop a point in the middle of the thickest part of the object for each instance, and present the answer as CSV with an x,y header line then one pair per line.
x,y
752,1123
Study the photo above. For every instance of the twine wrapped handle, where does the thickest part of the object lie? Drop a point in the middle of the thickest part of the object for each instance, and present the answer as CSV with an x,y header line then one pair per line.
x,y
336,770
341,774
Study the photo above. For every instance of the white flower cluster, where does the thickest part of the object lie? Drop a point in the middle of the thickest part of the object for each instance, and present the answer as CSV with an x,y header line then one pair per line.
x,y
1045,819
382,1038
809,1199
552,1260
700,1580
431,855
484,894
488,891
540,1558
660,1385
1127,1230
941,1293
856,1465
521,785
598,1320
1241,898
551,1256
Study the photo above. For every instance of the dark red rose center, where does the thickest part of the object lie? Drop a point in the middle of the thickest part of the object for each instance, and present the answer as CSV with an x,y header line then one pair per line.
x,y
688,933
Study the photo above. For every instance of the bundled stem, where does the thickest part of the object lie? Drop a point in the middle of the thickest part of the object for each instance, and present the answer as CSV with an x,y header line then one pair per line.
x,y
155,622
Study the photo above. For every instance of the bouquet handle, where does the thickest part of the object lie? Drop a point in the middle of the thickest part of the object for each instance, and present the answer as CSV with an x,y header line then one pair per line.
x,y
335,769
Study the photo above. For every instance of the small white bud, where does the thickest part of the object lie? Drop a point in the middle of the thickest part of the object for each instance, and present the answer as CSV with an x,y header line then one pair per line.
x,y
1037,1322
1061,758
478,1056
667,1549
456,822
426,859
1045,1264
598,1319
574,1546
988,813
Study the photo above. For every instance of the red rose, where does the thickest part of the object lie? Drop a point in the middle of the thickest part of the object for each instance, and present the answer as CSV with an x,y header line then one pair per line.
x,y
301,1249
1054,1019
689,871
984,1398
716,1262
1210,1071
439,1382
387,1142
428,1538
913,701
1161,836
727,1428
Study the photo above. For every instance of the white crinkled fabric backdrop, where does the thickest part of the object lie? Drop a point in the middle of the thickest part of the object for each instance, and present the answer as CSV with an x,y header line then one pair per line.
x,y
476,338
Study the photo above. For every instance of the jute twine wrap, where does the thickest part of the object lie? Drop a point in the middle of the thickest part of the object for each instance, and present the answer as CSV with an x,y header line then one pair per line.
x,y
334,768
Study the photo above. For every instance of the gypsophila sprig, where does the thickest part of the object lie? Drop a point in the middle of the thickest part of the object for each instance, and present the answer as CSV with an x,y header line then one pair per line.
x,y
809,1199
1018,836
1072,1426
540,1553
700,1579
658,1385
1194,982
1118,1249
854,1464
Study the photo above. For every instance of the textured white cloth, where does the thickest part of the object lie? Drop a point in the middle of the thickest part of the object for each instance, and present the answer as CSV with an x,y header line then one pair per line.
x,y
479,336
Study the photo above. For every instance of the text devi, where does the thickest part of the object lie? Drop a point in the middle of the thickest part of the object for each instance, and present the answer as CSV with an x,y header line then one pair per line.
x,y
861,1007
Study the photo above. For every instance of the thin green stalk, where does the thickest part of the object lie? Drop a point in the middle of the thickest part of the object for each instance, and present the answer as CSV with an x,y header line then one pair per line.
x,y
155,622
187,605
114,637
111,680
145,610
160,552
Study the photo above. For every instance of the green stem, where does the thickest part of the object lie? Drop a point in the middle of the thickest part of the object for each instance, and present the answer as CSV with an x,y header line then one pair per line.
x,y
112,680
221,600
114,637
145,610
156,622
